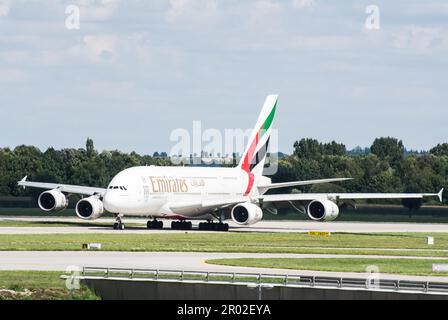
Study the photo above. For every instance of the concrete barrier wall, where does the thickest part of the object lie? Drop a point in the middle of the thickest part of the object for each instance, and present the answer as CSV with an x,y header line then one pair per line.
x,y
110,289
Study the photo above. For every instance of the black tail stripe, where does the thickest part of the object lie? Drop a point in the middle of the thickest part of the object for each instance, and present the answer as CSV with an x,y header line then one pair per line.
x,y
261,154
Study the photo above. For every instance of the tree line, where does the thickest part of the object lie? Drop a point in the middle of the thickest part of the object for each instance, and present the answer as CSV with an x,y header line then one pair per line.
x,y
84,166
384,167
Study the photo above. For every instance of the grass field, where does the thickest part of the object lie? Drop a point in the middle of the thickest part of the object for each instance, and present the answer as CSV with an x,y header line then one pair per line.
x,y
34,212
36,285
60,224
18,224
363,244
392,266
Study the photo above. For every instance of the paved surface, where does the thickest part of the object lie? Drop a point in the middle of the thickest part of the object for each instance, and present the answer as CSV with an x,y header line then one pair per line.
x,y
59,261
263,226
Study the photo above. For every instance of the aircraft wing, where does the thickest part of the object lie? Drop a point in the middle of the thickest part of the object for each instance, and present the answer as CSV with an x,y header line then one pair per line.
x,y
88,191
306,197
224,202
264,188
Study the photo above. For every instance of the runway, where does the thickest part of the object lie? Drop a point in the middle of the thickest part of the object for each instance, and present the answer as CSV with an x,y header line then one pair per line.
x,y
137,226
60,261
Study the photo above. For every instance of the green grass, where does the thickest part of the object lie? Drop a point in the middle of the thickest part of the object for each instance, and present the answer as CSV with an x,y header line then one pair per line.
x,y
60,224
38,285
34,212
390,266
412,244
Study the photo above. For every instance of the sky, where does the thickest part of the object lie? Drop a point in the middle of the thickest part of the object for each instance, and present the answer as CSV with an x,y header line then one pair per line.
x,y
135,70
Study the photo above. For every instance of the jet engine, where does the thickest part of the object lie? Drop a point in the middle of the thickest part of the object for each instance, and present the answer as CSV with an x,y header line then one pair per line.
x,y
247,214
90,208
53,200
323,210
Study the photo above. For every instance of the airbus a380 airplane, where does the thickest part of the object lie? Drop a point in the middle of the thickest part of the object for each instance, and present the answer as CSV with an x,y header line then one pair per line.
x,y
186,193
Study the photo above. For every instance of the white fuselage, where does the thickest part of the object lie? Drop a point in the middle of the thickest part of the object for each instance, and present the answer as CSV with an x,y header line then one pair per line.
x,y
172,192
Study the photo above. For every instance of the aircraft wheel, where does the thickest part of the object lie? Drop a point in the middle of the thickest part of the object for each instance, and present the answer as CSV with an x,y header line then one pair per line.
x,y
204,226
155,225
119,226
182,225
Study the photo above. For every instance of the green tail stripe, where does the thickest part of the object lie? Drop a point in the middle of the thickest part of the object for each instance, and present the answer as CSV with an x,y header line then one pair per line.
x,y
269,120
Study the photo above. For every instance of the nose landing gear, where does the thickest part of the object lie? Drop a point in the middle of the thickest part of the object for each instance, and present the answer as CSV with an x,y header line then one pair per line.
x,y
119,225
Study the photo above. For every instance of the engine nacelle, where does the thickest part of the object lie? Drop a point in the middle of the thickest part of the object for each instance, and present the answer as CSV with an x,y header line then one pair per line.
x,y
247,214
323,210
53,200
90,208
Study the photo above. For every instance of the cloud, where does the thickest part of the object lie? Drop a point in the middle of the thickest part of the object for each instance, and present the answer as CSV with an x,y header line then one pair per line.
x,y
98,10
5,8
263,14
96,48
420,39
303,4
198,11
110,89
322,42
10,75
422,8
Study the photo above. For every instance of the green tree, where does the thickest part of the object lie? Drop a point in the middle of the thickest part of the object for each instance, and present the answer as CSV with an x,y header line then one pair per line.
x,y
440,150
308,148
334,149
388,148
90,148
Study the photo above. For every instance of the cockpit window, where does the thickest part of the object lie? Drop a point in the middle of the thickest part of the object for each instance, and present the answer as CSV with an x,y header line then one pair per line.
x,y
118,188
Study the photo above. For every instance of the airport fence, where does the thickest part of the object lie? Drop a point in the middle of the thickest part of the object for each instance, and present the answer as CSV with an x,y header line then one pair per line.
x,y
265,280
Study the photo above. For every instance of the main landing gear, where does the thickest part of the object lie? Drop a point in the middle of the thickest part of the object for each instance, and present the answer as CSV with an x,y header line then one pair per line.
x,y
155,225
119,225
210,226
181,225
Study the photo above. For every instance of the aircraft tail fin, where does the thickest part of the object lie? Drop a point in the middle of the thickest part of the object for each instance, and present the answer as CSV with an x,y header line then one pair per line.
x,y
254,156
